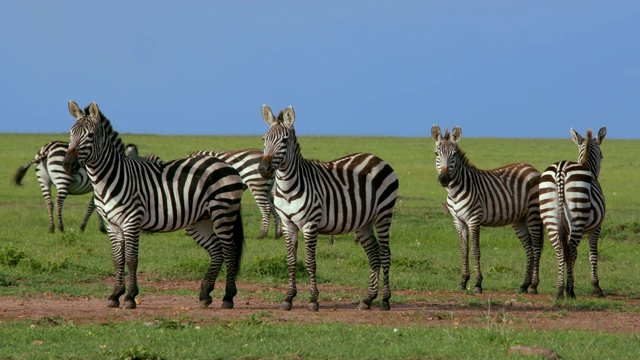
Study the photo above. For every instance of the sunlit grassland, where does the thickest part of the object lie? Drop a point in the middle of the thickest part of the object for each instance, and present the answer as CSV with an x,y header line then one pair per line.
x,y
424,245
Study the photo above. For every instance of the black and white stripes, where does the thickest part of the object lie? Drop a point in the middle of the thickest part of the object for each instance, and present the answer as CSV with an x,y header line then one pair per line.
x,y
246,161
49,170
572,204
200,193
354,193
504,196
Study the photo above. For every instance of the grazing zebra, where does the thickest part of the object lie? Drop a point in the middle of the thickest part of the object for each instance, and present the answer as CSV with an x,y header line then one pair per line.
x,y
354,193
571,204
131,150
49,171
193,193
246,162
504,196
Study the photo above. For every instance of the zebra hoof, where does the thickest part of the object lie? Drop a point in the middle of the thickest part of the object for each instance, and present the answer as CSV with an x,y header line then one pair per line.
x,y
533,291
314,306
205,302
477,290
129,304
286,306
522,290
385,306
364,305
227,304
113,304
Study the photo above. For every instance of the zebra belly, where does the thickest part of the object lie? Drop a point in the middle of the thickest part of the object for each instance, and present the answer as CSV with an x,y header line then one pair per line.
x,y
330,222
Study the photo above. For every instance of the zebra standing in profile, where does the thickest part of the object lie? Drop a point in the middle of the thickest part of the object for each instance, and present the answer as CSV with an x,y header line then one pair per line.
x,y
571,204
504,196
246,162
354,193
199,194
49,171
131,150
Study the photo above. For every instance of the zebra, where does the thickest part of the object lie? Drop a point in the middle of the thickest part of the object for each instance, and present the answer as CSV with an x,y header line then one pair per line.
x,y
571,204
193,193
354,193
246,162
49,170
504,196
131,150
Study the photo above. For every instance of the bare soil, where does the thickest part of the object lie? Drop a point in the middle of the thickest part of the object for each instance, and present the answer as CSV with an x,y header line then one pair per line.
x,y
537,312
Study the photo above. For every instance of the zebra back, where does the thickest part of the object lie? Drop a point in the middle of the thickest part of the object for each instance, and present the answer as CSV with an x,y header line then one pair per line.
x,y
131,150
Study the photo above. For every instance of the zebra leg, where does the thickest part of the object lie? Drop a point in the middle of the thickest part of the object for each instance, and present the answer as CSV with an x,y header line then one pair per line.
x,y
593,259
276,218
102,227
537,240
47,199
131,242
265,210
382,229
90,209
311,240
372,249
116,236
574,241
232,239
463,234
554,238
291,238
60,197
475,243
202,233
522,232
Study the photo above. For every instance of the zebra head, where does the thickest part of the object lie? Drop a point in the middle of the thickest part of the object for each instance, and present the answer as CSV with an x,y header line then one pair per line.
x,y
589,153
82,134
446,152
277,141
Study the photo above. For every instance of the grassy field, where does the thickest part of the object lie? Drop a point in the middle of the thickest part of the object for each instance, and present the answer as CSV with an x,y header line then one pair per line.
x,y
423,242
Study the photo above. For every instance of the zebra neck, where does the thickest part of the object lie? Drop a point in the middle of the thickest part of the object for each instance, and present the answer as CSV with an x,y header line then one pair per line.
x,y
102,163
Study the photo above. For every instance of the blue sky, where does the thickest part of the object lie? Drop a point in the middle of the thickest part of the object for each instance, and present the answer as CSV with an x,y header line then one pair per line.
x,y
391,68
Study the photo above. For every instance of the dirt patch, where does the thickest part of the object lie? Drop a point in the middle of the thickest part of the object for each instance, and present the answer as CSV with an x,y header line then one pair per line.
x,y
529,312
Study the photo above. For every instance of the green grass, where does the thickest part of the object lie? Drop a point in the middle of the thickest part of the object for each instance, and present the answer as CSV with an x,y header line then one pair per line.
x,y
257,337
424,248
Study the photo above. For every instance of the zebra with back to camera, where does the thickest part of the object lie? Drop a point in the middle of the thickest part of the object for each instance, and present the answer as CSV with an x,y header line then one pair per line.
x,y
504,196
199,194
131,150
49,170
246,162
354,193
571,204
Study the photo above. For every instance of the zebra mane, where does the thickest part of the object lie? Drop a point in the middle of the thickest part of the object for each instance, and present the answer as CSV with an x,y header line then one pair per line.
x,y
280,117
108,129
464,159
587,146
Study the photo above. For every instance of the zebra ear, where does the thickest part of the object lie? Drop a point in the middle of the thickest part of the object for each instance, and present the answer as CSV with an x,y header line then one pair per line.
x,y
456,133
577,138
75,110
94,112
601,134
435,133
267,115
289,117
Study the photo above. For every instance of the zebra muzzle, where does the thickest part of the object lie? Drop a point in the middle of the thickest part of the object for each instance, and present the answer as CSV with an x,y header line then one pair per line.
x,y
264,168
444,179
70,162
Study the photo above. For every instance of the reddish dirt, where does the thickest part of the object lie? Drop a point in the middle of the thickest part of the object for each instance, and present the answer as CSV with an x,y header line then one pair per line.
x,y
528,312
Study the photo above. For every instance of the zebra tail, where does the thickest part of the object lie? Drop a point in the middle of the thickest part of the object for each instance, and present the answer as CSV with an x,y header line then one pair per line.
x,y
563,236
238,238
17,178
